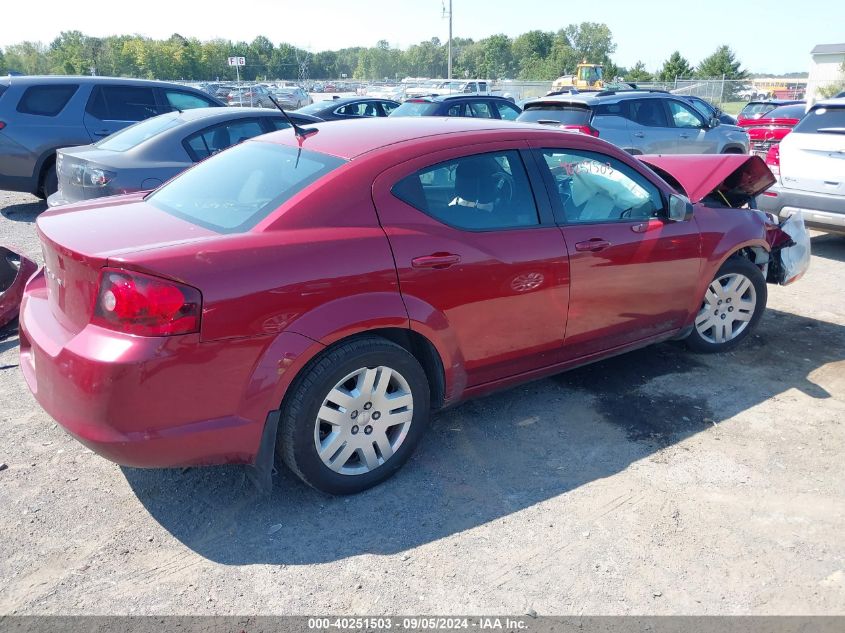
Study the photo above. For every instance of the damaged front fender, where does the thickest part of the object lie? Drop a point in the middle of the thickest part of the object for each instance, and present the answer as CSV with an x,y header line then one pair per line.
x,y
790,250
15,270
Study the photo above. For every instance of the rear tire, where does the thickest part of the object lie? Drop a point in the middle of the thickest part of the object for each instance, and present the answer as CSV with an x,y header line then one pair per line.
x,y
354,415
49,182
732,306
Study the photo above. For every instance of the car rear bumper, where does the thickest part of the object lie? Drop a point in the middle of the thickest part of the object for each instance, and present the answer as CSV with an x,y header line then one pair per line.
x,y
138,401
821,211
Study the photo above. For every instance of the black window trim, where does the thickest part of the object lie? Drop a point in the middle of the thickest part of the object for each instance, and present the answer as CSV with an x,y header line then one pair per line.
x,y
97,89
545,218
557,206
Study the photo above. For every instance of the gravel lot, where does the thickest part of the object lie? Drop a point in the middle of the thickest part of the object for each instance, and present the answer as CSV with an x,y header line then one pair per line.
x,y
659,482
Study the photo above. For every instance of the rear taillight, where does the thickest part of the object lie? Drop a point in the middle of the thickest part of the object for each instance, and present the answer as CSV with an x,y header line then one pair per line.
x,y
143,305
773,159
2,124
584,129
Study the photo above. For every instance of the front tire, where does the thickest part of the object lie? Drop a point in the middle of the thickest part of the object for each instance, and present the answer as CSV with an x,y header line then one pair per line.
x,y
732,306
49,182
354,416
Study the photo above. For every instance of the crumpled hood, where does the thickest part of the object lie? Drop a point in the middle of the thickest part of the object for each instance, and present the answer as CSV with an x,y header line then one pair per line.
x,y
737,177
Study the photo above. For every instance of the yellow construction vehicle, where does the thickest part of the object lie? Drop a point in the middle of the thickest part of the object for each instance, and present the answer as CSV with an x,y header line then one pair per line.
x,y
586,77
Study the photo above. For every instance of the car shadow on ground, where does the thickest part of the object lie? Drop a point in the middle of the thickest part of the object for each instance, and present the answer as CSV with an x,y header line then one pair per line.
x,y
494,456
829,246
24,211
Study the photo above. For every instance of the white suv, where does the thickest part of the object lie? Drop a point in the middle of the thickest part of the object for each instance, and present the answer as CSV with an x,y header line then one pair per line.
x,y
810,165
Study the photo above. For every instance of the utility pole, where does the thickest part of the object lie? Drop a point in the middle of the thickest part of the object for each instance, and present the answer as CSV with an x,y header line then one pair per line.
x,y
449,70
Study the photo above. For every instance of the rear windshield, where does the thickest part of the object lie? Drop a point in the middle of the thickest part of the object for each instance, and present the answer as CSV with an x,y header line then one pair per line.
x,y
756,109
134,135
824,120
233,191
315,107
787,112
415,108
559,113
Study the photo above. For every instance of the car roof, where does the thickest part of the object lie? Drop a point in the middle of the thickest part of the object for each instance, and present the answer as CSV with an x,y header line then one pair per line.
x,y
349,139
837,101
444,98
37,80
215,114
594,98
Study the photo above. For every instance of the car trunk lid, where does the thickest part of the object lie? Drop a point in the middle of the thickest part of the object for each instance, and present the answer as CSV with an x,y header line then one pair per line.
x,y
78,240
734,178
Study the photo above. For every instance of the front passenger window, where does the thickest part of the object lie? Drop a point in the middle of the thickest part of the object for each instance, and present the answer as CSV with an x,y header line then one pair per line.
x,y
682,116
597,188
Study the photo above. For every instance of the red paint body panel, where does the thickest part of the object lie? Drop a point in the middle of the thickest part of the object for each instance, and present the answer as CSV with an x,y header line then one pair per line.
x,y
701,174
336,260
12,282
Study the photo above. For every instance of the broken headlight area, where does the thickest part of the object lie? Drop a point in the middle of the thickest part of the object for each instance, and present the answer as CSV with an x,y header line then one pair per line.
x,y
790,250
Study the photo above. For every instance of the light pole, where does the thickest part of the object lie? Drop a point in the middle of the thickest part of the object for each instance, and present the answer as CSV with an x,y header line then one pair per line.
x,y
449,69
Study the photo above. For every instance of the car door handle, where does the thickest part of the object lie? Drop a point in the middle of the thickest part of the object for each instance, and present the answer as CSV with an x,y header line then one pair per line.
x,y
437,260
594,244
638,134
102,133
684,135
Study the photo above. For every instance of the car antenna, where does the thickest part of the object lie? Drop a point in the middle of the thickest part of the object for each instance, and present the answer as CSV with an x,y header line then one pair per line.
x,y
301,132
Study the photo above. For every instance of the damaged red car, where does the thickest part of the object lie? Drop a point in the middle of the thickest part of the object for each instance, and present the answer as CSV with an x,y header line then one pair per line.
x,y
315,294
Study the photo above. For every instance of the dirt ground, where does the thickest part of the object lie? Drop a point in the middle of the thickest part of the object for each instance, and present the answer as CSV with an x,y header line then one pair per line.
x,y
659,482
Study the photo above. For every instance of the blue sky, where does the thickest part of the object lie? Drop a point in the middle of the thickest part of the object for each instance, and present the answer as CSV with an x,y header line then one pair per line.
x,y
775,39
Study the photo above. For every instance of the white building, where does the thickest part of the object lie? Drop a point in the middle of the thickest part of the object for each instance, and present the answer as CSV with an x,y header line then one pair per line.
x,y
825,68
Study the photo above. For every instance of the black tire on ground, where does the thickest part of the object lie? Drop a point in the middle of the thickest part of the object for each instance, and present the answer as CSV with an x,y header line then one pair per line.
x,y
736,265
49,182
296,443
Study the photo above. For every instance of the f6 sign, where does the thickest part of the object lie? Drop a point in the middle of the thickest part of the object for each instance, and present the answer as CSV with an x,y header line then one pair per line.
x,y
237,61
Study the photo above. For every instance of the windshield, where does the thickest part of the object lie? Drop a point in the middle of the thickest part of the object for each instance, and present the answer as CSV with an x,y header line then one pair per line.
x,y
823,120
234,190
787,112
134,135
415,108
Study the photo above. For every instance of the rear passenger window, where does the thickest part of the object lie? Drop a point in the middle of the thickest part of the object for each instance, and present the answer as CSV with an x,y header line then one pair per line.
x,y
478,192
456,110
210,141
481,109
46,100
122,103
649,112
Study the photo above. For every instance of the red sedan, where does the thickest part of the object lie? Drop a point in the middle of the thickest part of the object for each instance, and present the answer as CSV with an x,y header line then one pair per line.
x,y
318,294
771,127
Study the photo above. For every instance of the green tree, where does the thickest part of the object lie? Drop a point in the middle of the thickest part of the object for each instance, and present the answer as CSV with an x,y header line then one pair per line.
x,y
722,63
592,41
3,69
638,73
676,67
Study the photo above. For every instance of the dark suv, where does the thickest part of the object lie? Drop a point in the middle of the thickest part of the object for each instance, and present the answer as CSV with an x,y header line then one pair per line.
x,y
38,115
480,106
639,121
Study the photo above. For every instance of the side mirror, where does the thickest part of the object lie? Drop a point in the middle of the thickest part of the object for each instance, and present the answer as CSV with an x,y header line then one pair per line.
x,y
714,122
680,208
